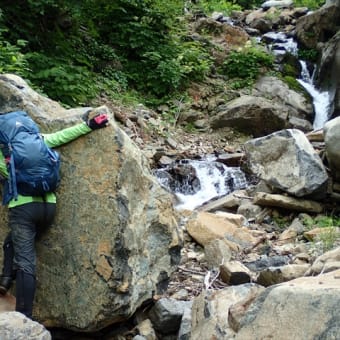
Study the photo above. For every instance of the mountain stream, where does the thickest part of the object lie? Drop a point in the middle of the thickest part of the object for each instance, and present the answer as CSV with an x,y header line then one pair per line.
x,y
195,182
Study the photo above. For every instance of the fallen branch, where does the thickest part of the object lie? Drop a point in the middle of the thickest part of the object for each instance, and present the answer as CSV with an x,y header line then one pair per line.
x,y
208,284
249,249
190,271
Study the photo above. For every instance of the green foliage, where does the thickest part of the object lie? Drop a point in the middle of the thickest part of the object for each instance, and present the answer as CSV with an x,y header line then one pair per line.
x,y
195,62
326,221
11,58
293,84
281,221
290,70
329,239
190,128
321,221
330,236
273,14
226,7
244,66
76,50
145,43
175,108
169,118
71,84
308,55
33,21
162,73
311,4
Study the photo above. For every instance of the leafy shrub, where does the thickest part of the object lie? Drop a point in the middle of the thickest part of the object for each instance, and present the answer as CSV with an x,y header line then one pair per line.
x,y
156,73
330,236
321,221
308,55
67,83
168,67
311,4
226,7
11,58
329,239
195,62
327,221
244,66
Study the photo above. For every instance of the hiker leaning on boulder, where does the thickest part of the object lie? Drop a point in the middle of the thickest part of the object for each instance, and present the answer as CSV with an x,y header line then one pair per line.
x,y
30,215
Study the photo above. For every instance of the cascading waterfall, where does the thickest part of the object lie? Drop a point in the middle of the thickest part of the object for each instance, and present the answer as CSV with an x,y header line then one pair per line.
x,y
321,100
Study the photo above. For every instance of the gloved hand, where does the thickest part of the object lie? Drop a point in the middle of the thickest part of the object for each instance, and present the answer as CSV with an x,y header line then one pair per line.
x,y
99,121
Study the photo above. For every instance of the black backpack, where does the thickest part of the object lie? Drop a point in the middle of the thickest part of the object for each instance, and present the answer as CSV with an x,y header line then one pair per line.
x,y
33,167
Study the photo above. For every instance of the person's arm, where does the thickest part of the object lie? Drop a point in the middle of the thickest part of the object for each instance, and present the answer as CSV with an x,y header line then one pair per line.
x,y
67,135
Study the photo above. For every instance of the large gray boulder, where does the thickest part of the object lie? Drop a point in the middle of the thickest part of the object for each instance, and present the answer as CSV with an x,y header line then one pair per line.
x,y
287,161
249,114
332,145
332,3
275,89
304,308
14,325
258,115
211,310
318,26
115,242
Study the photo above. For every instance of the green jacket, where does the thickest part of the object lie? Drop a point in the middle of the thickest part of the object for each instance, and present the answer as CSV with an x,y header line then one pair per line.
x,y
52,140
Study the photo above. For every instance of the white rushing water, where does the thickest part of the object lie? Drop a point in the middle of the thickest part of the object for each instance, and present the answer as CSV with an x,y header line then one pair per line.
x,y
321,100
215,180
282,43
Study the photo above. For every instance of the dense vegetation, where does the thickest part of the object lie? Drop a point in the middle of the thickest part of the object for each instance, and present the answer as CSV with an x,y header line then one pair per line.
x,y
74,51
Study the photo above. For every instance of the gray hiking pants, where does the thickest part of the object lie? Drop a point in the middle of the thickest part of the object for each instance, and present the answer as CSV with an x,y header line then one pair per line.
x,y
26,222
